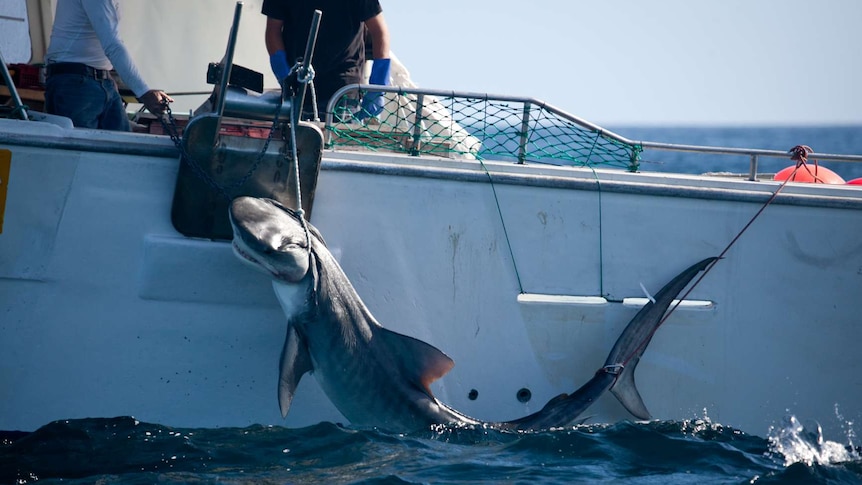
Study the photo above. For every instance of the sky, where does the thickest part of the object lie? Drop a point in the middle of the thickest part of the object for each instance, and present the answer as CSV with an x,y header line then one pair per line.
x,y
611,62
703,62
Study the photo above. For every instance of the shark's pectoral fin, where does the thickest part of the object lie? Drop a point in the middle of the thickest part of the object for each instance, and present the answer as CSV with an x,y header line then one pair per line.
x,y
627,393
418,361
295,361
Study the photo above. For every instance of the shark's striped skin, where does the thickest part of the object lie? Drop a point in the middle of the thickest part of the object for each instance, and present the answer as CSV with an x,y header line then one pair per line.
x,y
379,378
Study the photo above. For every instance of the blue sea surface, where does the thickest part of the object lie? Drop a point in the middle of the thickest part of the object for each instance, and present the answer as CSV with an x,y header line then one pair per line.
x,y
841,140
123,450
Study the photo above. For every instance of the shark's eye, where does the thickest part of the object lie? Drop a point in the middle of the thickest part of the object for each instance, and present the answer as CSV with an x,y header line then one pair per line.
x,y
287,244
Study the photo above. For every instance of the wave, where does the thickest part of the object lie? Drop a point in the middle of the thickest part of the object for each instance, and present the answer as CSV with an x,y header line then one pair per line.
x,y
125,450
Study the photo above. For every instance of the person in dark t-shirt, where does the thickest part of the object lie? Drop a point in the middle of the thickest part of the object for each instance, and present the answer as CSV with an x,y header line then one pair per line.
x,y
339,55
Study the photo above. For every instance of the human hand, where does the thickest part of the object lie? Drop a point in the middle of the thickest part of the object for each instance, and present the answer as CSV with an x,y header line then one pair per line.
x,y
372,103
278,63
156,101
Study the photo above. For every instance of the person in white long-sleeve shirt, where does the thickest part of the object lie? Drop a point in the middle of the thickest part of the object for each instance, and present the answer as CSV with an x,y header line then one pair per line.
x,y
85,46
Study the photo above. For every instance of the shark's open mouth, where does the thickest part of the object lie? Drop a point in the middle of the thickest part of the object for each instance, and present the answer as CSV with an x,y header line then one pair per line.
x,y
247,256
243,254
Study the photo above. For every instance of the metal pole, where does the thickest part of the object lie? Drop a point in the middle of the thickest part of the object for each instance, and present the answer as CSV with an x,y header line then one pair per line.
x,y
525,127
13,93
306,62
227,65
752,170
417,125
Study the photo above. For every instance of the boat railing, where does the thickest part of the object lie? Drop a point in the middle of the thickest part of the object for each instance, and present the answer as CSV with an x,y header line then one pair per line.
x,y
753,154
497,127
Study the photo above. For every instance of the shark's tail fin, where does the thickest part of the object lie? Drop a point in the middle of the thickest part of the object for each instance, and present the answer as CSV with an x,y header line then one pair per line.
x,y
624,357
618,371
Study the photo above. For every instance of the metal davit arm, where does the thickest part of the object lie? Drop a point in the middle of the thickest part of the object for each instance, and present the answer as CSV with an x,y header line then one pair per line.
x,y
224,156
227,65
303,73
236,102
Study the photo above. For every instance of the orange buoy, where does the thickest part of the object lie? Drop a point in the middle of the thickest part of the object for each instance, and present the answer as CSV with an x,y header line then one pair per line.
x,y
809,173
855,181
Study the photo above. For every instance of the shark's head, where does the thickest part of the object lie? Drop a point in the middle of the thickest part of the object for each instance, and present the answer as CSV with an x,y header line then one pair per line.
x,y
270,237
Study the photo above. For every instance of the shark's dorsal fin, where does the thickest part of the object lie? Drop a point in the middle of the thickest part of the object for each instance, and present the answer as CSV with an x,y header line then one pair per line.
x,y
295,362
420,362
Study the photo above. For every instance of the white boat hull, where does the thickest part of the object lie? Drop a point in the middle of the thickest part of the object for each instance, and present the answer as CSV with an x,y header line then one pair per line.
x,y
105,309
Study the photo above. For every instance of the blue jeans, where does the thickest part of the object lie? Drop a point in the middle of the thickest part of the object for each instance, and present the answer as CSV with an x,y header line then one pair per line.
x,y
88,102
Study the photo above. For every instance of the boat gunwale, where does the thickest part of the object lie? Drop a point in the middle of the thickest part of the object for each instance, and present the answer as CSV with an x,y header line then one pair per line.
x,y
504,173
604,180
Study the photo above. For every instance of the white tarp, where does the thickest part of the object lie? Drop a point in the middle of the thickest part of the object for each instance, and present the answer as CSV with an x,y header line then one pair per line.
x,y
173,42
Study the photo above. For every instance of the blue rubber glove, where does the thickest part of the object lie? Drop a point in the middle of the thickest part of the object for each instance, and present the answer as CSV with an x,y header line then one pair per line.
x,y
278,63
372,103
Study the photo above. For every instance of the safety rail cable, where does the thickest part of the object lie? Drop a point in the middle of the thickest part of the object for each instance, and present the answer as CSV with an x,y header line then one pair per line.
x,y
485,126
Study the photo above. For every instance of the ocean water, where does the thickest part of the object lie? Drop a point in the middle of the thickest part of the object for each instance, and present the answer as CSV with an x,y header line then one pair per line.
x,y
123,450
845,140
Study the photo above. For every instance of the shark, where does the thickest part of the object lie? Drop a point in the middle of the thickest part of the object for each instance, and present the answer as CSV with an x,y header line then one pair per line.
x,y
378,378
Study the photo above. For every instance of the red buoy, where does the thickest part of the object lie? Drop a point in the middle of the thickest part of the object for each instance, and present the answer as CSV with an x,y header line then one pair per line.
x,y
855,181
809,173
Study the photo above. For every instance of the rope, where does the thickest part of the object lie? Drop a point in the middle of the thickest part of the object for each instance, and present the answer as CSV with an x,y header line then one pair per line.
x,y
503,223
601,227
20,111
308,80
799,154
294,160
500,213
721,255
300,212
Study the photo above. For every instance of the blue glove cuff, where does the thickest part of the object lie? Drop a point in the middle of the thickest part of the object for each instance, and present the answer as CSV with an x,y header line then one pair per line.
x,y
278,63
380,72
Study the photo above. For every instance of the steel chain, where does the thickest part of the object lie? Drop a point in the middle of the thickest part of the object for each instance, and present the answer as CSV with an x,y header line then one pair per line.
x,y
173,131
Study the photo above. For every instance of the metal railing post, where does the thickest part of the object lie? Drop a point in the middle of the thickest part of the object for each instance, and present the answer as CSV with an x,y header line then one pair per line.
x,y
525,130
752,169
417,125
